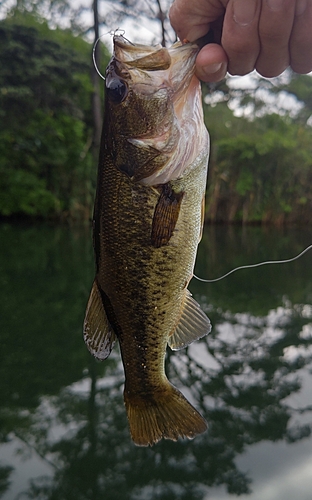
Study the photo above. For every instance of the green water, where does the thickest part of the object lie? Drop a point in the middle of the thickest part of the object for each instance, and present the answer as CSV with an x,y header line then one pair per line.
x,y
63,426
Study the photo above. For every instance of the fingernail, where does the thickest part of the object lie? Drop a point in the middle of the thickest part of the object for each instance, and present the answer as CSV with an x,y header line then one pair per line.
x,y
244,11
276,4
212,68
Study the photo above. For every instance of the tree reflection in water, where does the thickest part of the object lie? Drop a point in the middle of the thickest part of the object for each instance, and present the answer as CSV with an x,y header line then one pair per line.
x,y
240,378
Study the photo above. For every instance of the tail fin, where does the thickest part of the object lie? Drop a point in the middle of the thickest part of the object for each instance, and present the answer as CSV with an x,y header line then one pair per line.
x,y
167,415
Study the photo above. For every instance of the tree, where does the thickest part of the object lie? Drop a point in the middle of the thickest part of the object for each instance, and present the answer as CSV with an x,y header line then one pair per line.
x,y
260,164
46,129
153,12
96,97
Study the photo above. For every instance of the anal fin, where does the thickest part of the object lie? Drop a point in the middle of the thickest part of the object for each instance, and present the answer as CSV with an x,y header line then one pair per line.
x,y
193,324
97,331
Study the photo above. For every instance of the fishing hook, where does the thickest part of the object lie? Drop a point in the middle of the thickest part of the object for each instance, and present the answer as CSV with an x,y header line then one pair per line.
x,y
93,57
117,32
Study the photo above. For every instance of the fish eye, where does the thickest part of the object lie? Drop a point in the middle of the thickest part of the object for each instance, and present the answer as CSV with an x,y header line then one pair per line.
x,y
116,90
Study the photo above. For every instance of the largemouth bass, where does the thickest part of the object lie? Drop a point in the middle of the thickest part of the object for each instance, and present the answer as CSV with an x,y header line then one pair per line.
x,y
148,220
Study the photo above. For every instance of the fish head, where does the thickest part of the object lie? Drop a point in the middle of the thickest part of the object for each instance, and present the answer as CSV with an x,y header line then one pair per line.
x,y
153,125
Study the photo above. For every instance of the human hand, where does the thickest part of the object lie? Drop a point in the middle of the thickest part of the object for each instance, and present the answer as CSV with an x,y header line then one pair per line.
x,y
266,35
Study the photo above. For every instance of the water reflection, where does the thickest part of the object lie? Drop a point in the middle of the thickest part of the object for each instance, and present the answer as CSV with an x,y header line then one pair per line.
x,y
61,406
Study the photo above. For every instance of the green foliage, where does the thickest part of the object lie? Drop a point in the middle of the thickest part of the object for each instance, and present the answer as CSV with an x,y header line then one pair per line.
x,y
261,169
46,163
23,192
299,87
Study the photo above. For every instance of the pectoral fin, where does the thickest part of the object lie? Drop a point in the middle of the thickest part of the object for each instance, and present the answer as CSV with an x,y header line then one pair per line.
x,y
193,324
97,331
165,216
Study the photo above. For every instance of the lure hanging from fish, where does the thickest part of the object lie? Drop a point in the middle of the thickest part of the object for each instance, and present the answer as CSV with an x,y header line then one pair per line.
x,y
148,219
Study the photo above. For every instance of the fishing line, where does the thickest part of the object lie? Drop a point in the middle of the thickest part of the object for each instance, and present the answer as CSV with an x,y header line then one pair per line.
x,y
250,266
255,265
118,31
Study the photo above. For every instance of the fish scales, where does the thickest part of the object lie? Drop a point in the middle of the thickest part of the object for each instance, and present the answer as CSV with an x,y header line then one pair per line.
x,y
145,239
141,295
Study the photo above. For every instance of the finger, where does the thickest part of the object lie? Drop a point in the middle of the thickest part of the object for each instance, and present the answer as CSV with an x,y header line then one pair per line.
x,y
211,63
301,38
275,26
240,37
191,19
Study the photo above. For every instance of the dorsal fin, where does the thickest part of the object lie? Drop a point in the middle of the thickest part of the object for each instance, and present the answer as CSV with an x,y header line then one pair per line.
x,y
193,324
97,331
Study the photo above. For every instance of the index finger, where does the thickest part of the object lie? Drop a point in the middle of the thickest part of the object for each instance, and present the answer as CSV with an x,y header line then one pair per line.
x,y
191,20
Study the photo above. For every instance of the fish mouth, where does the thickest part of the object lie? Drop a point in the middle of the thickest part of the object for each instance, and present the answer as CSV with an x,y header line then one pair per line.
x,y
157,66
150,57
144,57
152,69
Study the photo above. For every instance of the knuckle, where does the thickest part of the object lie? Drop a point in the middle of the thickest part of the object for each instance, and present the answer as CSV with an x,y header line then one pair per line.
x,y
242,49
273,38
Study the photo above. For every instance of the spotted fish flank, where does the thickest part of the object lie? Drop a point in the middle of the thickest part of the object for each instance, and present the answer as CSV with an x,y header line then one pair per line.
x,y
148,221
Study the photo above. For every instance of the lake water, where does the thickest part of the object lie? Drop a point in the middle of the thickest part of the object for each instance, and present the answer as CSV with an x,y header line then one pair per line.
x,y
64,432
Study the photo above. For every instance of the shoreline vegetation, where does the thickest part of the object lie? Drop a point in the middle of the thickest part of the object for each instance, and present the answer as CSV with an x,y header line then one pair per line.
x,y
260,169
